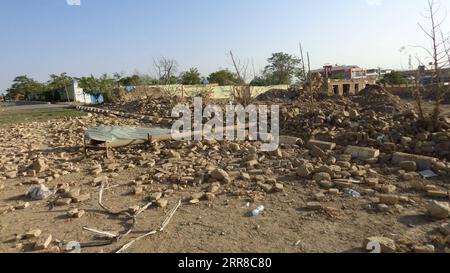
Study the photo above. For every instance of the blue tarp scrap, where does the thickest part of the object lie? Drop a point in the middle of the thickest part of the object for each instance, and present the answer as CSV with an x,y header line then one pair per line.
x,y
97,99
130,88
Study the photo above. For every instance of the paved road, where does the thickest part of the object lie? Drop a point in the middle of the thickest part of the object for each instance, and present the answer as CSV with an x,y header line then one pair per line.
x,y
14,107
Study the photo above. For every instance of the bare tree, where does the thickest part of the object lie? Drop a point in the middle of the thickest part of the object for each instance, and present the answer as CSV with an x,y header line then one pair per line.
x,y
165,68
438,57
240,68
303,71
242,93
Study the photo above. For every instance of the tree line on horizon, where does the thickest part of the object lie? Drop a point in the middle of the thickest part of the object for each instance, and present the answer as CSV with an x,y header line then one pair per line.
x,y
282,68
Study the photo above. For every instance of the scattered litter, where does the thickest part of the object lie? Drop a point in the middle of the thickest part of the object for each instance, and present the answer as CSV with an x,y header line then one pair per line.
x,y
73,247
383,138
355,181
353,193
246,205
40,192
428,174
257,211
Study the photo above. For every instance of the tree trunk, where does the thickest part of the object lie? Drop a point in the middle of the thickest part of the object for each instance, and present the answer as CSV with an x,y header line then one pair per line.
x,y
67,93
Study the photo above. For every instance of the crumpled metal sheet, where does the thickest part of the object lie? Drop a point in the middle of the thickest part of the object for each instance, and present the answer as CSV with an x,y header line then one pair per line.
x,y
110,134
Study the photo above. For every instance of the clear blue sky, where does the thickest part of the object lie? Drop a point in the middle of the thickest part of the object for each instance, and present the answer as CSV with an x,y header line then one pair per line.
x,y
40,37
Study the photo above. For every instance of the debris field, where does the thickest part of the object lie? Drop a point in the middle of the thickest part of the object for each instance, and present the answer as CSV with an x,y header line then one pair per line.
x,y
349,171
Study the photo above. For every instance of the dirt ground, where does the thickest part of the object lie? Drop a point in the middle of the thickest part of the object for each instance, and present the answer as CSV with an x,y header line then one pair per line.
x,y
221,225
218,225
428,106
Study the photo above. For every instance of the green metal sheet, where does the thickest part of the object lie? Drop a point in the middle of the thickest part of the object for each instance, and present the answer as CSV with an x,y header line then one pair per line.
x,y
110,134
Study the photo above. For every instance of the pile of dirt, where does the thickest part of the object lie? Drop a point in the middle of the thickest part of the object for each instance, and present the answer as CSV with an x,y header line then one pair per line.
x,y
402,92
160,106
279,94
432,94
428,94
139,92
376,98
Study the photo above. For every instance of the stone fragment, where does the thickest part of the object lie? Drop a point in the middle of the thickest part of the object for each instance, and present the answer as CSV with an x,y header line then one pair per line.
x,y
386,245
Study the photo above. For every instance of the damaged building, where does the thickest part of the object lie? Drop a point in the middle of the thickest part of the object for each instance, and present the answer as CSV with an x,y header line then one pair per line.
x,y
344,80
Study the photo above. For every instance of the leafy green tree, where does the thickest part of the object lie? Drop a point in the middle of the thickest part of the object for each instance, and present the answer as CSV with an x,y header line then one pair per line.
x,y
171,80
394,78
282,68
134,80
94,86
23,87
223,77
59,82
148,80
191,77
259,81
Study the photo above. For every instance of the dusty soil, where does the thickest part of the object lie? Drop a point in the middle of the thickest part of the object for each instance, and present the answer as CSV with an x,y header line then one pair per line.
x,y
221,224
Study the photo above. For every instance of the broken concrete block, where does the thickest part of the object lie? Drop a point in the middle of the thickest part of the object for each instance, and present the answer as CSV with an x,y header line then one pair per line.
x,y
422,162
138,190
198,195
445,229
333,191
426,249
319,196
288,140
43,242
409,166
326,184
438,210
194,201
389,188
266,187
386,245
162,203
34,233
81,198
220,175
389,199
278,187
75,213
214,187
23,205
174,154
305,170
155,196
321,144
372,182
383,207
314,206
322,177
362,152
209,196
62,202
437,193
317,152
11,174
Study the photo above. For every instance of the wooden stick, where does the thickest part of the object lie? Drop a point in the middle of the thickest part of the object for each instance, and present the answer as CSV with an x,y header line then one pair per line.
x,y
163,225
100,202
103,233
167,220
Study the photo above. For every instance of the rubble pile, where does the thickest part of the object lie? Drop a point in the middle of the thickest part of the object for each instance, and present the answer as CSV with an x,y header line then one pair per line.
x,y
338,158
346,122
137,93
279,95
376,98
160,106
